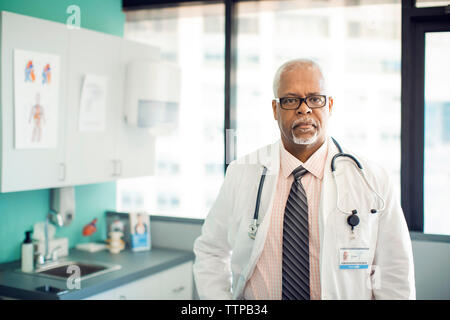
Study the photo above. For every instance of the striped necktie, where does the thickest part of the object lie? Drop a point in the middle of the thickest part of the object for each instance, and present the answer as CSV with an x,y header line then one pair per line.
x,y
295,265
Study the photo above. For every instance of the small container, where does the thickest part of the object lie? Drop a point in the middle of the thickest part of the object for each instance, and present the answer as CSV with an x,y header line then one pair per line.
x,y
27,253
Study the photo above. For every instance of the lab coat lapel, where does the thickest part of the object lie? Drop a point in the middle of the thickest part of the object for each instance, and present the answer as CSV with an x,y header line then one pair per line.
x,y
270,158
328,193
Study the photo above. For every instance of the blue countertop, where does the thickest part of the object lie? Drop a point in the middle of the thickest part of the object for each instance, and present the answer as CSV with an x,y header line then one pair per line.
x,y
135,265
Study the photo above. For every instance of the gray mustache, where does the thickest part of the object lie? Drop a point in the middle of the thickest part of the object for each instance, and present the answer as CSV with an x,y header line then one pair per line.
x,y
303,122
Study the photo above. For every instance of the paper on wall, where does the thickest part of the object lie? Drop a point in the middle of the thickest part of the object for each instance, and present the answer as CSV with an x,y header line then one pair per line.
x,y
93,103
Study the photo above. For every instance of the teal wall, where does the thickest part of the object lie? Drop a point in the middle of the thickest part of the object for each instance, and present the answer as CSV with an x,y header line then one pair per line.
x,y
100,15
20,210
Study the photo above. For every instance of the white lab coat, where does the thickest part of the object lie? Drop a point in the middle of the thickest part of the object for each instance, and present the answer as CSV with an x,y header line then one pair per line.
x,y
226,256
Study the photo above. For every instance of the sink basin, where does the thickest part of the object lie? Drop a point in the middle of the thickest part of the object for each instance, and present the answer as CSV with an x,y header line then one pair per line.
x,y
88,270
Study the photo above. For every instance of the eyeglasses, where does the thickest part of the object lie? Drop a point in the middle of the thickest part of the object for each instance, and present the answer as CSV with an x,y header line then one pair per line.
x,y
293,103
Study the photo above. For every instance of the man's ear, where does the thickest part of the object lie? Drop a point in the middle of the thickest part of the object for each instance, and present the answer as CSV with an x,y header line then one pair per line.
x,y
330,105
274,109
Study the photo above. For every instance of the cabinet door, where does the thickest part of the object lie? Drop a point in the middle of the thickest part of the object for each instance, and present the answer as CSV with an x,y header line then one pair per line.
x,y
135,153
135,147
106,295
90,148
29,169
148,288
173,284
178,283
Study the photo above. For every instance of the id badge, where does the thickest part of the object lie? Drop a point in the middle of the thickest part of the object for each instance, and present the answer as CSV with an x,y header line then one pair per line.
x,y
353,258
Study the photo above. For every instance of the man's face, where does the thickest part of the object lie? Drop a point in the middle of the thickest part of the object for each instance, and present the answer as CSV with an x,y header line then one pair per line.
x,y
304,126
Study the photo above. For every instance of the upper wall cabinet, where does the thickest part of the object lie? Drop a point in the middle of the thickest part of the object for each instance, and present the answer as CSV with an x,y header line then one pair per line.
x,y
89,144
134,146
90,153
30,168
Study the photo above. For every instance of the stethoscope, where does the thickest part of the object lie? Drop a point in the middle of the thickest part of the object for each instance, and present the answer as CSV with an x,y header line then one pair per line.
x,y
352,219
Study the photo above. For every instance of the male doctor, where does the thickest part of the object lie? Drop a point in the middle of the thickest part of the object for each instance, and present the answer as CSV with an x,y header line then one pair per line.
x,y
318,236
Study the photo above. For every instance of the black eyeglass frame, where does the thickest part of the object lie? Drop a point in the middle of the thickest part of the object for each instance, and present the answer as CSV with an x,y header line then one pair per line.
x,y
301,101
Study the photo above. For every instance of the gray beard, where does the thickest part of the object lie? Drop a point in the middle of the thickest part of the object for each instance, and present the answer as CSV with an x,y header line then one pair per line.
x,y
304,141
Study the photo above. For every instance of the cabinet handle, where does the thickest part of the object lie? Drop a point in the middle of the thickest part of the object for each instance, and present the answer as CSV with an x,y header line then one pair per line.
x,y
117,164
62,171
179,289
113,168
120,167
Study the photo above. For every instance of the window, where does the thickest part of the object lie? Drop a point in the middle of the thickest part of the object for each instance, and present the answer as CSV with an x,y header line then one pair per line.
x,y
189,163
437,133
425,118
431,3
363,69
385,60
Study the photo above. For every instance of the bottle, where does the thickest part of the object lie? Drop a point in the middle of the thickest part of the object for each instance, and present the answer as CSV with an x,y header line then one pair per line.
x,y
27,253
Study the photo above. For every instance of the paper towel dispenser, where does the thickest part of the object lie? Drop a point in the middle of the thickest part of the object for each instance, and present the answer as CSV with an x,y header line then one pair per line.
x,y
62,203
152,95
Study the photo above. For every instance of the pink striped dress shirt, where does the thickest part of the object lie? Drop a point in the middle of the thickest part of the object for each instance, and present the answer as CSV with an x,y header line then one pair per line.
x,y
265,282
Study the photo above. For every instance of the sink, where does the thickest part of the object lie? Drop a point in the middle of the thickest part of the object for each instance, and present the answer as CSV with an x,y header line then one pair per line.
x,y
59,269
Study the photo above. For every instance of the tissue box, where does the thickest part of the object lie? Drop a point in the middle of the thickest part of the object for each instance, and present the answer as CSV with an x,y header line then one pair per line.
x,y
52,244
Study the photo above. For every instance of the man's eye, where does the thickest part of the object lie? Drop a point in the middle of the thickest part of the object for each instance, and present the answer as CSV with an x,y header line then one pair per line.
x,y
291,100
316,100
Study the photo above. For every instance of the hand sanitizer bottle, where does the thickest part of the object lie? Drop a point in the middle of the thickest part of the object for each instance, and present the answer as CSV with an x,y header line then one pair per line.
x,y
27,253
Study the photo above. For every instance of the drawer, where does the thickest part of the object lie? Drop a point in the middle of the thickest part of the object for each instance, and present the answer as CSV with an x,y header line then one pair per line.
x,y
173,284
177,283
147,288
106,295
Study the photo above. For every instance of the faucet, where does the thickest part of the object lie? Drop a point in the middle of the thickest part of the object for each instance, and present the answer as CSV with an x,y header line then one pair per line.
x,y
56,219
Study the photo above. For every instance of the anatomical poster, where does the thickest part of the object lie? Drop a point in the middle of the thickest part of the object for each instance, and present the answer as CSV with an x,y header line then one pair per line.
x,y
36,99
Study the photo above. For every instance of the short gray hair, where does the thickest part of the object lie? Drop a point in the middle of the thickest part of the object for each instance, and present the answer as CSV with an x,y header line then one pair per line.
x,y
292,65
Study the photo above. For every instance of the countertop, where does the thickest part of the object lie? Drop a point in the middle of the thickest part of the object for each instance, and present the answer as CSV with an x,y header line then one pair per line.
x,y
135,265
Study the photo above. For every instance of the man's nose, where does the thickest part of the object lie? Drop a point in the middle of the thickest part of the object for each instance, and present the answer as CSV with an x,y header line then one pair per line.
x,y
304,109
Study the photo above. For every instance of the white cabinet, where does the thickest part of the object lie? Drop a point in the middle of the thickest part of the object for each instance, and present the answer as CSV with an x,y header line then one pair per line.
x,y
120,151
81,157
173,284
106,295
89,154
135,147
147,288
26,169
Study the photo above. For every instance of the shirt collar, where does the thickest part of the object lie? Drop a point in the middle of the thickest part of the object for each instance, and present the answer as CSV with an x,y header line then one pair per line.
x,y
315,164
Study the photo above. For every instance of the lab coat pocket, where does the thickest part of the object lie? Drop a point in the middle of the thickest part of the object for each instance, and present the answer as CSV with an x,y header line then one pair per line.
x,y
374,278
242,245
